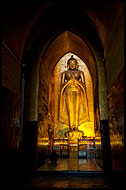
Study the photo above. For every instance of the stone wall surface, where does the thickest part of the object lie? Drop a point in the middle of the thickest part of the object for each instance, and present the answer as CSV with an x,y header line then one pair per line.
x,y
115,99
116,122
42,110
11,70
11,105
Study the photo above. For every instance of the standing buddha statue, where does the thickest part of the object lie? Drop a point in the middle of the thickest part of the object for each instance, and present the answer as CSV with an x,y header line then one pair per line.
x,y
73,108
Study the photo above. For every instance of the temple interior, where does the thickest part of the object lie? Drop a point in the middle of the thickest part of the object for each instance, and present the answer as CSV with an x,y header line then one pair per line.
x,y
63,93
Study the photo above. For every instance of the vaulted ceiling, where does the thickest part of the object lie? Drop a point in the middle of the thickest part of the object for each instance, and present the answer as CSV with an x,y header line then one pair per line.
x,y
32,27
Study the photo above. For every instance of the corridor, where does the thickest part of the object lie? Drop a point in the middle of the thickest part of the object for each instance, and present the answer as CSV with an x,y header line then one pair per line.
x,y
62,90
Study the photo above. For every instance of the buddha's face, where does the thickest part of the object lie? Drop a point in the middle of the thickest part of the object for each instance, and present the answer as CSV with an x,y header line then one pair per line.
x,y
72,64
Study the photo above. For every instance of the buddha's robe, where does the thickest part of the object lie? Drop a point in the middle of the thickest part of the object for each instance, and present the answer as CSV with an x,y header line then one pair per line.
x,y
73,109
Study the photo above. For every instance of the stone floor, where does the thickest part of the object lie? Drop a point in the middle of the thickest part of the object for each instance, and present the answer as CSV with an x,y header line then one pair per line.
x,y
66,182
71,164
72,173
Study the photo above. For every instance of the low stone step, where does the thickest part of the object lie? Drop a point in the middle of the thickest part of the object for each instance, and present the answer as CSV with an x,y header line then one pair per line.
x,y
70,173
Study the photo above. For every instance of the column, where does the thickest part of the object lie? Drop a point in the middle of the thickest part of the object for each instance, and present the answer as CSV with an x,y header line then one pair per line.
x,y
28,132
104,123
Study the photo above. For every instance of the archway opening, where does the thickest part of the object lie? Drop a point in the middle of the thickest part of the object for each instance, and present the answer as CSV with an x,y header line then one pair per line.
x,y
40,97
54,99
52,132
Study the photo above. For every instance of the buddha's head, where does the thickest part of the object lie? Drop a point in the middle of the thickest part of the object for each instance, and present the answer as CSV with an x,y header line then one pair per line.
x,y
72,63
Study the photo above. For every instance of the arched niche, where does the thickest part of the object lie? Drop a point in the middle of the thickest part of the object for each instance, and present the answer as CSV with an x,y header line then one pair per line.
x,y
64,43
60,128
42,66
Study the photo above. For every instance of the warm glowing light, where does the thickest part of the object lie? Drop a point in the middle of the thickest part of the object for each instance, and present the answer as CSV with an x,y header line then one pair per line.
x,y
61,128
73,98
43,142
88,129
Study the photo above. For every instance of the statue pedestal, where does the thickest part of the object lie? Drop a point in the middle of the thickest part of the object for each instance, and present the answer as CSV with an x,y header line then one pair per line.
x,y
73,137
73,150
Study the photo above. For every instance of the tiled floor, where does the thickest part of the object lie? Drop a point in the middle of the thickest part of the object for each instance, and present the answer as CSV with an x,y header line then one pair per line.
x,y
71,164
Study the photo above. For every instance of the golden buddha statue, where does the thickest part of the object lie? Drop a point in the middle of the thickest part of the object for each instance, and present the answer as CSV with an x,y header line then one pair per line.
x,y
73,108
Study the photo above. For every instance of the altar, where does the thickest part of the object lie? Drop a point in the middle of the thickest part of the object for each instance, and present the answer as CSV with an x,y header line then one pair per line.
x,y
83,148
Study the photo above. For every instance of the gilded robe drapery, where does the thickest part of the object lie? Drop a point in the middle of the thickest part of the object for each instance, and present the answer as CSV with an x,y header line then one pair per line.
x,y
73,108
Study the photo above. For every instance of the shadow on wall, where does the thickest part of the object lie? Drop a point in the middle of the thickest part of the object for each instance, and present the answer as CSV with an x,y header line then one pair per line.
x,y
117,151
115,98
